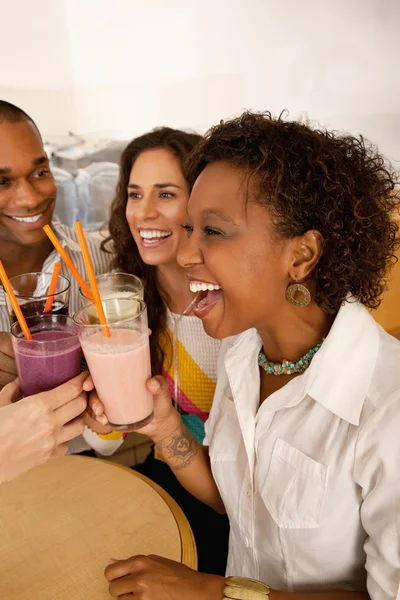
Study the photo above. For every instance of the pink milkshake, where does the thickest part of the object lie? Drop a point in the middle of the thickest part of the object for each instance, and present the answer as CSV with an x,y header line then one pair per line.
x,y
120,367
120,364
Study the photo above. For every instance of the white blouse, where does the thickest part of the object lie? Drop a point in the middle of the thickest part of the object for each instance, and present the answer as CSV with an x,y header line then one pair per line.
x,y
311,478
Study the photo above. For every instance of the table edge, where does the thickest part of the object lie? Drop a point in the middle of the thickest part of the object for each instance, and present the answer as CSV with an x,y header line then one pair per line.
x,y
188,544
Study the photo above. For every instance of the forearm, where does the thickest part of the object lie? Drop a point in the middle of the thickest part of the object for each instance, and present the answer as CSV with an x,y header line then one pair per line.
x,y
190,463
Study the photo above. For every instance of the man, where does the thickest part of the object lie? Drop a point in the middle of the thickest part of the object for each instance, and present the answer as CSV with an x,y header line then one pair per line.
x,y
27,200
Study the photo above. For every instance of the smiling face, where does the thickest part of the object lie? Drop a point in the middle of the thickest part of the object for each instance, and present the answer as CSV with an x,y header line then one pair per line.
x,y
27,188
156,206
232,245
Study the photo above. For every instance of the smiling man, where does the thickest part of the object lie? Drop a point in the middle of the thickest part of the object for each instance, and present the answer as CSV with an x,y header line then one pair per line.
x,y
27,200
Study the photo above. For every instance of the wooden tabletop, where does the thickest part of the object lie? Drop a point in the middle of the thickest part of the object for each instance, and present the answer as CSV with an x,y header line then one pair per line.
x,y
61,522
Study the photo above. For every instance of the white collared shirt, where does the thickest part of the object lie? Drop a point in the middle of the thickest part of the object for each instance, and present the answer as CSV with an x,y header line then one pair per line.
x,y
311,477
67,236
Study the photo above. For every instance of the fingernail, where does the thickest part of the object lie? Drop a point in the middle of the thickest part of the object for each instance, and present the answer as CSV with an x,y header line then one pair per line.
x,y
103,420
155,385
96,409
111,561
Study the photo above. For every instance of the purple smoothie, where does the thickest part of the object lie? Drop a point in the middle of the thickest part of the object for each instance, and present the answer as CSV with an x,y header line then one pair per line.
x,y
43,366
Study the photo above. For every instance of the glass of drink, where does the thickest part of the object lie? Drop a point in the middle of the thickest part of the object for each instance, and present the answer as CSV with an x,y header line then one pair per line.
x,y
116,285
31,292
51,358
119,364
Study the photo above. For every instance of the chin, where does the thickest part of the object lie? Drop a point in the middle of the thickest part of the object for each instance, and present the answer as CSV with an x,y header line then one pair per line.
x,y
34,238
223,328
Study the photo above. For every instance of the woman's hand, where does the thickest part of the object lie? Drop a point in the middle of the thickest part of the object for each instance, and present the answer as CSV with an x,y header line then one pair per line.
x,y
165,419
38,427
156,578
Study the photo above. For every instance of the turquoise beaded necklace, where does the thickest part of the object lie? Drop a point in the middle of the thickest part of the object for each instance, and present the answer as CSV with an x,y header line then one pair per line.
x,y
286,367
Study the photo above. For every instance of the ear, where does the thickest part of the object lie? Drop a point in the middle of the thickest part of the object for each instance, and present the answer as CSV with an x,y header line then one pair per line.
x,y
306,252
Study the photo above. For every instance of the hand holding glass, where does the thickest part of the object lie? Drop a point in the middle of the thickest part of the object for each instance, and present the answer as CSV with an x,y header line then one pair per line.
x,y
119,364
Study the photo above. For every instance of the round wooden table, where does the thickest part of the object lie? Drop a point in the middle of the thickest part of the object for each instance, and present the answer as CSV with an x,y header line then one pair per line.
x,y
61,522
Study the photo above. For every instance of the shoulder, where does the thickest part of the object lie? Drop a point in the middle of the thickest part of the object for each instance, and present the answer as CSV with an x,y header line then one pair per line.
x,y
385,380
378,433
101,259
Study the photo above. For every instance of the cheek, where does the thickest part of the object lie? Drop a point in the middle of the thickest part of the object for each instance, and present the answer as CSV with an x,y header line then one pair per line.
x,y
175,213
46,187
130,215
246,276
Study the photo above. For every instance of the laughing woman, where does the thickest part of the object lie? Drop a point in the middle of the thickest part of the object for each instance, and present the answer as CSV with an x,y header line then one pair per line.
x,y
145,235
295,227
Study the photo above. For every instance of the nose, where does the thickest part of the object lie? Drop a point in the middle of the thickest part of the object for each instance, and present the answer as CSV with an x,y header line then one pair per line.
x,y
148,208
190,253
26,196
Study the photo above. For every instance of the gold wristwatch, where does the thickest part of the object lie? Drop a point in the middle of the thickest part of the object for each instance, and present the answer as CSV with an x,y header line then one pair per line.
x,y
241,588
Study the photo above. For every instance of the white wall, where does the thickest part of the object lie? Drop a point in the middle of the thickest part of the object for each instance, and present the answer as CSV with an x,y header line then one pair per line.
x,y
125,66
35,66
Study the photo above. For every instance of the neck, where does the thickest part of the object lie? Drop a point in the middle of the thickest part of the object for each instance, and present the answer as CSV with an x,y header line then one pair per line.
x,y
295,332
175,284
19,259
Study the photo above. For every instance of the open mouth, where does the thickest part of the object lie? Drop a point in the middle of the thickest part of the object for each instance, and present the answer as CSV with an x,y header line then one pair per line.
x,y
33,219
153,237
208,294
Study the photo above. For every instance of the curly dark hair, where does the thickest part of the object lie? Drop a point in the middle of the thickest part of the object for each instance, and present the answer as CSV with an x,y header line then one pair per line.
x,y
121,243
314,179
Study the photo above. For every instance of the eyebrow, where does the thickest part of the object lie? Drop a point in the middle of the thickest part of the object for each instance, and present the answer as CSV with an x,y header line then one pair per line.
x,y
220,215
40,160
156,185
36,162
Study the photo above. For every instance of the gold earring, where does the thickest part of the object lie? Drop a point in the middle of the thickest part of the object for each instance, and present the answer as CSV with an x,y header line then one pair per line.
x,y
298,288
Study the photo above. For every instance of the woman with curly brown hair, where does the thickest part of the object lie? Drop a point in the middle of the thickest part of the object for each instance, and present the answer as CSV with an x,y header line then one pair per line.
x,y
145,236
293,227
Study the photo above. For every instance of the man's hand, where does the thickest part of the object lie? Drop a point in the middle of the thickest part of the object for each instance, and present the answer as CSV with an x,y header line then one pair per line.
x,y
156,578
8,371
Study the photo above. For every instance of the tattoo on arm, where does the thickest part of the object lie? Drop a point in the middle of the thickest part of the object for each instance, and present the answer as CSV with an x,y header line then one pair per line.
x,y
180,448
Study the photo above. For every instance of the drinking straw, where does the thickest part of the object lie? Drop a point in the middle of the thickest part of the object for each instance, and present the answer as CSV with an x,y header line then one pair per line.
x,y
14,303
52,288
92,279
62,252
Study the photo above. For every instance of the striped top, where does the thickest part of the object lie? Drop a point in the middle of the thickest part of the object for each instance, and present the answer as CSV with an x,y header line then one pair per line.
x,y
196,367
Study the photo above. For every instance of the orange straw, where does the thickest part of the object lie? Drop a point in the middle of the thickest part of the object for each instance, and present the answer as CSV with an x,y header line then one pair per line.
x,y
74,271
92,279
14,303
52,288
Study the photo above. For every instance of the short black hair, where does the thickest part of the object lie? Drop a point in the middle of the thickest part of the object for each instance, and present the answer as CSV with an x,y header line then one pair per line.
x,y
9,113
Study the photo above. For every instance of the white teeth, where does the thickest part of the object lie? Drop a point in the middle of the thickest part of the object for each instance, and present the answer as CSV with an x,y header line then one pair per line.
x,y
149,234
202,287
27,219
202,303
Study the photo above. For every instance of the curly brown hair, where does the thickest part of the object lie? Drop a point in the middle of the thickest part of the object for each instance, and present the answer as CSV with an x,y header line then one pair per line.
x,y
121,243
314,179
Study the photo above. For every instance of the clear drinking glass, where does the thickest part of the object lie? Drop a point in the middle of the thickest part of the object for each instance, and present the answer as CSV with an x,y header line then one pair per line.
x,y
31,292
119,364
116,285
